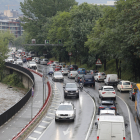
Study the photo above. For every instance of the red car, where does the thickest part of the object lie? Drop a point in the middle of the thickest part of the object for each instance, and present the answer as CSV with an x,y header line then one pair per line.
x,y
29,58
57,68
50,62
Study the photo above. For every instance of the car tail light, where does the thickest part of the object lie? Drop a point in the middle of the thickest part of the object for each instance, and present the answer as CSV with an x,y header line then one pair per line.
x,y
62,71
123,138
113,107
131,86
78,77
98,119
97,137
99,76
71,74
113,92
122,86
133,93
84,81
103,92
79,71
101,107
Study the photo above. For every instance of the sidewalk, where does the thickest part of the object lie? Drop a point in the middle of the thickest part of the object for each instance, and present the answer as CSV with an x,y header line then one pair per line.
x,y
23,117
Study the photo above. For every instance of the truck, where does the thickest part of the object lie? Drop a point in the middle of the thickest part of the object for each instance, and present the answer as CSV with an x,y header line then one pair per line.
x,y
110,127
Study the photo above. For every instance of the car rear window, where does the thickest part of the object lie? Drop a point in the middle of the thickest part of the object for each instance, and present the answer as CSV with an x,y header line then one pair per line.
x,y
107,103
126,83
88,76
108,89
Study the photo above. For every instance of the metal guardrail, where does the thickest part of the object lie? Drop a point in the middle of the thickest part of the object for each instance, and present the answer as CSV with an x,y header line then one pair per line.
x,y
15,108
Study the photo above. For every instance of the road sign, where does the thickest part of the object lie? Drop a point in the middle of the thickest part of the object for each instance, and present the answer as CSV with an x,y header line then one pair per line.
x,y
70,53
98,62
33,41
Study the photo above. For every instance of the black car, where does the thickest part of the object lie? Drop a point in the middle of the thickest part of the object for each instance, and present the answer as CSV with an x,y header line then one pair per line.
x,y
75,67
88,80
78,77
71,89
107,105
132,94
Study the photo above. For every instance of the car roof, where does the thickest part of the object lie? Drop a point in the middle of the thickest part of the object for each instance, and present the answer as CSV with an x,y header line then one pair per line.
x,y
124,81
111,118
108,87
107,112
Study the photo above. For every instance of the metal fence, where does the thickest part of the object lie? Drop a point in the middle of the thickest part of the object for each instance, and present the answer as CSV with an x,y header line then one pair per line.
x,y
14,109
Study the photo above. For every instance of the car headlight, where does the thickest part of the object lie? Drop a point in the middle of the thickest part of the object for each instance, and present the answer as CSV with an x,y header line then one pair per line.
x,y
77,91
66,91
56,114
71,114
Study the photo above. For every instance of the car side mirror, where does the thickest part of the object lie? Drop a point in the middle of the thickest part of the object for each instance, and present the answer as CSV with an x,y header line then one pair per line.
x,y
99,88
126,125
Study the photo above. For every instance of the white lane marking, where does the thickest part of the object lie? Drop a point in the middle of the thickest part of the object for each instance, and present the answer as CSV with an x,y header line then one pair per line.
x,y
90,127
66,132
38,132
45,122
32,138
129,116
50,113
41,126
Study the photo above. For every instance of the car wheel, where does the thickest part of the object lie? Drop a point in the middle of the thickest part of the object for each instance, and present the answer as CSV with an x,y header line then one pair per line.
x,y
132,98
77,97
97,80
56,120
65,96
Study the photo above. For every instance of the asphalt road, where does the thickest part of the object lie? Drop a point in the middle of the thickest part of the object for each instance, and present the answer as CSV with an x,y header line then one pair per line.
x,y
84,112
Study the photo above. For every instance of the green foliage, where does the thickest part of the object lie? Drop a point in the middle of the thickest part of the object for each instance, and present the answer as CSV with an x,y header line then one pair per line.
x,y
13,80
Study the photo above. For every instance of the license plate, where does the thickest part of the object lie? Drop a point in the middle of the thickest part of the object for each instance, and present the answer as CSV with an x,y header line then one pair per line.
x,y
89,80
126,86
107,109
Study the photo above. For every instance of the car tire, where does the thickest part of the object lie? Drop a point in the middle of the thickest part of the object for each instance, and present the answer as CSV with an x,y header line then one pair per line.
x,y
77,96
65,96
132,98
97,80
56,120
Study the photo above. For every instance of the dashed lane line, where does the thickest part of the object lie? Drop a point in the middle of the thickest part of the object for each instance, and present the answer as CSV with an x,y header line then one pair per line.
x,y
38,132
49,117
45,122
32,138
41,126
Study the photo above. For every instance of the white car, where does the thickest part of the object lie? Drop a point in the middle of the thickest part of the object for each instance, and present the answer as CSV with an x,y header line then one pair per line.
x,y
64,71
31,65
72,74
111,79
19,62
57,76
34,58
107,112
44,61
65,111
124,86
10,59
56,63
107,92
100,76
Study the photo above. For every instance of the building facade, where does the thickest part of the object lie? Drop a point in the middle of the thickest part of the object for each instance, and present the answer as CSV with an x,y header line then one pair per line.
x,y
14,26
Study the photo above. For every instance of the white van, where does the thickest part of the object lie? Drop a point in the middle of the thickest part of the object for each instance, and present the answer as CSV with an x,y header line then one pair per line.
x,y
111,128
111,79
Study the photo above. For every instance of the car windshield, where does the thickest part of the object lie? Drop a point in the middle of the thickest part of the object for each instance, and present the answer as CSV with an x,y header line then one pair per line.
x,y
65,107
108,89
71,86
64,69
32,62
88,76
51,69
80,75
126,83
57,73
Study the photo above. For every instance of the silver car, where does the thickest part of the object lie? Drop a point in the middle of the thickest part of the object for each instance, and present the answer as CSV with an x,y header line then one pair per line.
x,y
10,59
44,61
31,65
72,74
57,76
65,111
19,62
64,71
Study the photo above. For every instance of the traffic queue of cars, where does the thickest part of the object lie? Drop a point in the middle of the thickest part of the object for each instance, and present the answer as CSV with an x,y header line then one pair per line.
x,y
110,123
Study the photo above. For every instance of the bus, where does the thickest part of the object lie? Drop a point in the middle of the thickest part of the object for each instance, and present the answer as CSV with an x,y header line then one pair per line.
x,y
137,100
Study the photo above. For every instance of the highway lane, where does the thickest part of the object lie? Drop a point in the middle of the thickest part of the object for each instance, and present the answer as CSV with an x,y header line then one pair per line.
x,y
122,101
76,130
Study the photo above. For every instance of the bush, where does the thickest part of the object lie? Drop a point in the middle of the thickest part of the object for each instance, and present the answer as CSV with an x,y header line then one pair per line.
x,y
13,80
